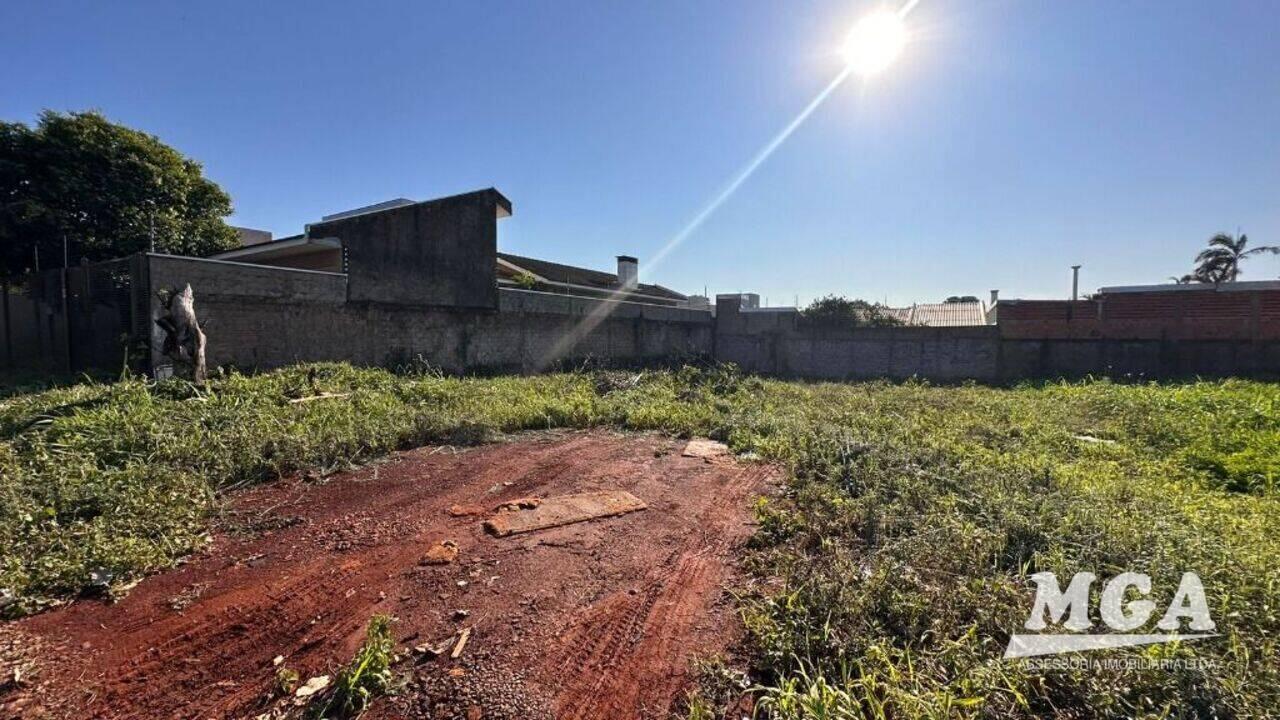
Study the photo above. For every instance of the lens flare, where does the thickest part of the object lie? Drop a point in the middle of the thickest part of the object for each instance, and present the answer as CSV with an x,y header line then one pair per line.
x,y
875,42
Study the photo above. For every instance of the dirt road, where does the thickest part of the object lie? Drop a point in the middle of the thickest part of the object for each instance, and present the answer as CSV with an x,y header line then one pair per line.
x,y
598,619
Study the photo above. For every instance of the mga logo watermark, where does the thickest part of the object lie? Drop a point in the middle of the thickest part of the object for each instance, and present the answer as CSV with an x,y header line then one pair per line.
x,y
1123,617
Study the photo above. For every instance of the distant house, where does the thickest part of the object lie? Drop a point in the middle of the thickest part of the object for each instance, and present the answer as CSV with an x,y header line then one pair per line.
x,y
944,314
515,270
308,252
295,251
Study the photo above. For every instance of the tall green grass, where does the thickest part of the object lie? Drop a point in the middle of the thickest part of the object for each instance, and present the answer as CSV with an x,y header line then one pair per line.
x,y
895,564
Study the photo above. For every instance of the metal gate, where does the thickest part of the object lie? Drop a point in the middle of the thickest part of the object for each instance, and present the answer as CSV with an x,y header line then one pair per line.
x,y
87,319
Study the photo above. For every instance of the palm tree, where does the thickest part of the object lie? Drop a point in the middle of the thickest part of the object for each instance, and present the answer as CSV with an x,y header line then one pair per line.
x,y
1220,262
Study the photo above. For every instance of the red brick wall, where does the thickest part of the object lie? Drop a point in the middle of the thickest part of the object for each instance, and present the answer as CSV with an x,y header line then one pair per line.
x,y
1207,314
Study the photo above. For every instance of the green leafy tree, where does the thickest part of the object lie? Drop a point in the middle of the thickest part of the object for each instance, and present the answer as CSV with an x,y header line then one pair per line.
x,y
837,309
107,189
1220,262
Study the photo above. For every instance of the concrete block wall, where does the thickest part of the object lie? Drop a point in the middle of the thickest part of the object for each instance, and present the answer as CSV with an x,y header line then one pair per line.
x,y
787,345
259,317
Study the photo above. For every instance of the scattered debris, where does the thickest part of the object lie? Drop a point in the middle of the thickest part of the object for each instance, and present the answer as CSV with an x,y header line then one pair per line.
x,y
309,688
286,680
1091,439
250,560
321,396
607,381
442,553
429,653
563,510
524,503
462,643
183,599
99,584
461,614
15,680
706,449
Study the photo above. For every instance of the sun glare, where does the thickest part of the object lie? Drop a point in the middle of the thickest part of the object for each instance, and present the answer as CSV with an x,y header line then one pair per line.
x,y
875,42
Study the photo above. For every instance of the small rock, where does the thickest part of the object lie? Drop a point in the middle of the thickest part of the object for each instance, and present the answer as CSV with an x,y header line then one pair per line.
x,y
465,510
461,614
442,553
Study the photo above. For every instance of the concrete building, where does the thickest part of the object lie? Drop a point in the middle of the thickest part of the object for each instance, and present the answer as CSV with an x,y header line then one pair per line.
x,y
321,247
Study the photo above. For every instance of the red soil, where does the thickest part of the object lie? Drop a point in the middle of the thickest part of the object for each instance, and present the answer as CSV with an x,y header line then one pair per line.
x,y
595,620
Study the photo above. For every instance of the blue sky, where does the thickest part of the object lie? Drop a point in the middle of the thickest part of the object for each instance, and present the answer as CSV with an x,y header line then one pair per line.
x,y
1011,140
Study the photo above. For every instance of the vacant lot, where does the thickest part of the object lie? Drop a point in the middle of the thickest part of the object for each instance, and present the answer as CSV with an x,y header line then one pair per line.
x,y
887,577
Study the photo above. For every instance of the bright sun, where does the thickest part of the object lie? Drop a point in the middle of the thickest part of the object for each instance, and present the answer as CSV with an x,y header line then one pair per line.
x,y
875,42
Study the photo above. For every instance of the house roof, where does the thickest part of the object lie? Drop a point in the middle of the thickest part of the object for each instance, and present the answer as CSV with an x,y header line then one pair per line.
x,y
954,314
557,273
280,248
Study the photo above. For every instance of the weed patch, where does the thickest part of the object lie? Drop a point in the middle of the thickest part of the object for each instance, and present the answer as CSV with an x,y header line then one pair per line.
x,y
368,676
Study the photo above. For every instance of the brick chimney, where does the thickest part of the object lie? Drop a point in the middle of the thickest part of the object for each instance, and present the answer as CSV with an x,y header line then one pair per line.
x,y
628,272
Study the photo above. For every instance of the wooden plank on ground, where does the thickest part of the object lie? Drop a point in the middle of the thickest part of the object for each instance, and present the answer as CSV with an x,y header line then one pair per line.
x,y
564,510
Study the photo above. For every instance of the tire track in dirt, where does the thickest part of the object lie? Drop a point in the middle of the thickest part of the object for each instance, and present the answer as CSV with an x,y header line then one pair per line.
x,y
605,615
614,659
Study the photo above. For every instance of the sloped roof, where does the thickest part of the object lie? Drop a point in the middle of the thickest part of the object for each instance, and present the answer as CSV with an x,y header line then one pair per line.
x,y
957,314
557,273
